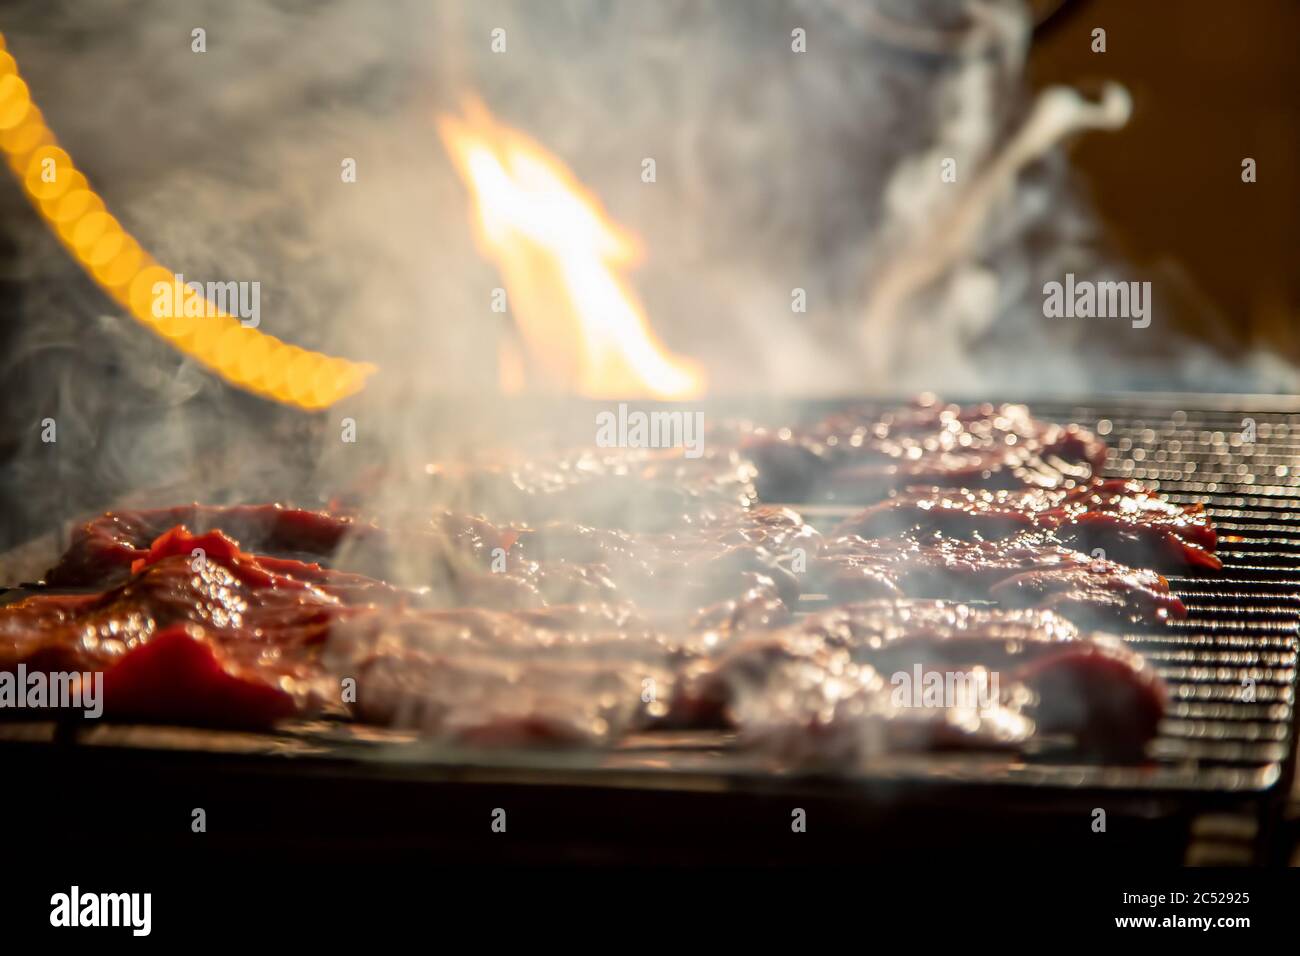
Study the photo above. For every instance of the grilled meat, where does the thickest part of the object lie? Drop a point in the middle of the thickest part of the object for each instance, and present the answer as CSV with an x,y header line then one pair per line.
x,y
861,456
577,676
840,684
463,560
237,643
489,701
1027,570
102,549
225,637
206,633
649,490
777,530
602,592
1120,518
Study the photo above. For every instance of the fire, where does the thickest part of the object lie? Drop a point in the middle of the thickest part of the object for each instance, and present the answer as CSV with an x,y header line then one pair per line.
x,y
562,259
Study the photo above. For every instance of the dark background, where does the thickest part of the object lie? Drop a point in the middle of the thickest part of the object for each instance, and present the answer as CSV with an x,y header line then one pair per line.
x,y
1212,83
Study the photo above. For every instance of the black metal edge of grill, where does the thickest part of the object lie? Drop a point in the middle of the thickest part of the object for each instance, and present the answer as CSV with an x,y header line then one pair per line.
x,y
1217,753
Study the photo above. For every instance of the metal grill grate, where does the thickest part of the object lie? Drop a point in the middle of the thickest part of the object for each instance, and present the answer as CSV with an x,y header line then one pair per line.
x,y
1219,756
1243,621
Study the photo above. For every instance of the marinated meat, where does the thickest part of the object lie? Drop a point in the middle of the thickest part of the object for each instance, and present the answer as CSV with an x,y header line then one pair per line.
x,y
648,490
776,529
102,549
238,642
231,638
180,676
245,640
570,599
1027,570
859,455
447,563
839,685
1120,518
698,564
578,676
458,560
487,701
1088,684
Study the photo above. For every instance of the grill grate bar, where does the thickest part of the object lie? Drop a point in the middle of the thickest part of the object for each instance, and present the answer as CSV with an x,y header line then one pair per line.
x,y
1229,658
1230,711
1202,673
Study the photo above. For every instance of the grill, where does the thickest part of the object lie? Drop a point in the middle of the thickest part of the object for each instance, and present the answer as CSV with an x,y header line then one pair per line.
x,y
1217,782
1231,665
1243,621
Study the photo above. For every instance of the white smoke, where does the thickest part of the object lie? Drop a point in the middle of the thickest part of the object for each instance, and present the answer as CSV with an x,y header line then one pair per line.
x,y
777,170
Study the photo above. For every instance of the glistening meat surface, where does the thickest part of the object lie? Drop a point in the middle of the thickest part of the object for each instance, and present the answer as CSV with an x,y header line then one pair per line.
x,y
1028,570
645,490
1120,518
572,598
728,558
203,632
862,455
829,688
234,639
241,641
103,548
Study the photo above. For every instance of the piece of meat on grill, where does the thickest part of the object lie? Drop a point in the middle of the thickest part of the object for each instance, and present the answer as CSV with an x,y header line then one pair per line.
x,y
459,560
609,567
554,676
722,591
861,455
241,641
492,678
233,639
777,530
1118,517
102,549
847,683
181,676
1087,684
675,578
1028,570
488,701
648,490
710,560
448,563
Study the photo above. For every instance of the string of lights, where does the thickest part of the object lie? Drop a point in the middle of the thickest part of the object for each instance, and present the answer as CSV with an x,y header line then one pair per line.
x,y
128,274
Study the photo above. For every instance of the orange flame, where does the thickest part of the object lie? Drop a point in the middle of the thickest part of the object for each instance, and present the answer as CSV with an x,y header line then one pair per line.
x,y
562,259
